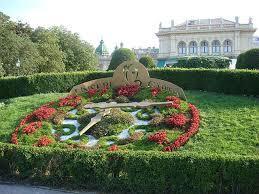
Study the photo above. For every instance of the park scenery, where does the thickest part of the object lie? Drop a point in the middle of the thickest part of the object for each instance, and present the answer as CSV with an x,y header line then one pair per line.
x,y
75,117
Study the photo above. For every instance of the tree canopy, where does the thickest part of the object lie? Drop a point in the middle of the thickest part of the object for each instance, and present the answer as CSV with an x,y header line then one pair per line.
x,y
119,56
147,61
41,50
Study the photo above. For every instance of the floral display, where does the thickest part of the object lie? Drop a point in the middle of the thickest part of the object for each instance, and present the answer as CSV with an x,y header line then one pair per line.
x,y
169,126
128,90
70,101
44,141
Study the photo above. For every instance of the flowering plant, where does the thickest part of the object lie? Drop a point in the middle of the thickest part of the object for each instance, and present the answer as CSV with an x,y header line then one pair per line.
x,y
128,90
177,120
175,102
70,101
113,148
32,127
43,112
155,91
159,137
44,141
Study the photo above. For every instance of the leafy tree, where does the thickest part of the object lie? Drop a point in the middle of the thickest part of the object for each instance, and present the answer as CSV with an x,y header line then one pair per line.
x,y
78,54
2,71
119,56
48,47
147,61
248,60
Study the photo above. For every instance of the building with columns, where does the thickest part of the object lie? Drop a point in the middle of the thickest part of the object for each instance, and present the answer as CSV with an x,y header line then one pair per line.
x,y
204,37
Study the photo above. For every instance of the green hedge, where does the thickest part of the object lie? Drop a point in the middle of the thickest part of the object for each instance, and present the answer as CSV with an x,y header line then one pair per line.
x,y
202,62
244,82
138,172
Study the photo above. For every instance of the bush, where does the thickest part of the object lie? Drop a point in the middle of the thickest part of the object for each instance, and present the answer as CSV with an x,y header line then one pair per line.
x,y
117,171
248,60
119,56
147,61
223,81
2,71
203,62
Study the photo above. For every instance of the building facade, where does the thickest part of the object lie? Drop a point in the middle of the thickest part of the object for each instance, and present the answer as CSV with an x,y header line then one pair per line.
x,y
205,37
141,52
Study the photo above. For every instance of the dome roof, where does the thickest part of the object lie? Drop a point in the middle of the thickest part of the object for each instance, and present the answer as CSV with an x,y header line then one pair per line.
x,y
101,49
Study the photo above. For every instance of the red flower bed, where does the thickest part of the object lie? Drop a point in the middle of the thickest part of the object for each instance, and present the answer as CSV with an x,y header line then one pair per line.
x,y
159,137
113,148
177,120
175,102
91,92
32,127
128,90
155,91
194,126
104,90
70,101
44,141
43,112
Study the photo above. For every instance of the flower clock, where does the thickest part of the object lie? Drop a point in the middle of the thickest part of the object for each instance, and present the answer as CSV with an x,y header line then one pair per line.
x,y
166,124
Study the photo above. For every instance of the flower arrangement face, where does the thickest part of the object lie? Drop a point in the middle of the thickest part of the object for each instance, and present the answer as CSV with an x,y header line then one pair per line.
x,y
178,115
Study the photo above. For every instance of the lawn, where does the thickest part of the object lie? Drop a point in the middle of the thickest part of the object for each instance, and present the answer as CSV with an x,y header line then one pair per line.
x,y
229,124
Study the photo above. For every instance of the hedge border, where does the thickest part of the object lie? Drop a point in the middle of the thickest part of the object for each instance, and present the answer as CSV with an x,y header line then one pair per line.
x,y
242,82
138,172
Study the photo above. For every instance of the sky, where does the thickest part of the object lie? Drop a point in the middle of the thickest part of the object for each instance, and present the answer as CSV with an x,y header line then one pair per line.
x,y
133,22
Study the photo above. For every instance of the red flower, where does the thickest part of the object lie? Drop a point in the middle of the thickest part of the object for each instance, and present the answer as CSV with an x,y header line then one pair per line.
x,y
43,112
14,139
113,148
44,141
104,90
91,92
128,90
178,120
70,101
32,127
175,102
155,91
159,137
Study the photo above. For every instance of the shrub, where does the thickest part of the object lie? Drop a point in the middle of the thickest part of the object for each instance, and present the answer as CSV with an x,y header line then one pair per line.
x,y
223,81
117,171
119,56
147,61
2,71
203,62
248,60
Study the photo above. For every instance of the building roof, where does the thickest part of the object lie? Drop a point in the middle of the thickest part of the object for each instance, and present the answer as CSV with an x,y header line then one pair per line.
x,y
101,50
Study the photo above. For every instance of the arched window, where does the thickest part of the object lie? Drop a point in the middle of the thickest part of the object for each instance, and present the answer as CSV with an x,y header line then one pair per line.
x,y
227,46
182,48
215,46
204,47
193,47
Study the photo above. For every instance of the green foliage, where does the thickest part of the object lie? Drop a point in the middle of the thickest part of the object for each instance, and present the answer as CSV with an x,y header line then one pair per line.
x,y
203,62
78,54
147,61
119,56
248,60
47,44
2,71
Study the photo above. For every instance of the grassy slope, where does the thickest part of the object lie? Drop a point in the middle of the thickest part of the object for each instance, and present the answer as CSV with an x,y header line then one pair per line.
x,y
230,124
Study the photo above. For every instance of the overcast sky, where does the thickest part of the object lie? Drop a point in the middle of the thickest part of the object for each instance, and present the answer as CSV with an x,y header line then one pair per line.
x,y
133,22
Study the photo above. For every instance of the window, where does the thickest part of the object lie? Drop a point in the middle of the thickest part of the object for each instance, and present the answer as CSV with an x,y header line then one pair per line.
x,y
227,46
204,47
193,47
215,46
181,48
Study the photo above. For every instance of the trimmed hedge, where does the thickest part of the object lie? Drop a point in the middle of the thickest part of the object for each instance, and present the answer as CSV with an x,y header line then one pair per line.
x,y
244,82
202,62
137,172
248,59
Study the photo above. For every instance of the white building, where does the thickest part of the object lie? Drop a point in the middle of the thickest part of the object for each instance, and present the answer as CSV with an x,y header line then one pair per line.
x,y
141,52
207,37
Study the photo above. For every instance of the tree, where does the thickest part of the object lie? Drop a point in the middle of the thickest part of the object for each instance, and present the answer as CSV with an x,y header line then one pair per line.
x,y
248,60
2,71
51,55
147,61
119,56
78,54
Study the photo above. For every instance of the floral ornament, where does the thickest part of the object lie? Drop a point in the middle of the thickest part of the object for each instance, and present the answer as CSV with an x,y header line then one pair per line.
x,y
159,137
43,112
44,141
113,148
175,102
155,91
177,120
91,92
70,101
32,127
128,90
104,90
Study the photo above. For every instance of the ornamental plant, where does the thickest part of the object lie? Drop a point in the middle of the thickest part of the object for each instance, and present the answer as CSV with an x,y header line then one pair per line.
x,y
32,127
43,113
113,148
44,141
177,120
128,90
70,101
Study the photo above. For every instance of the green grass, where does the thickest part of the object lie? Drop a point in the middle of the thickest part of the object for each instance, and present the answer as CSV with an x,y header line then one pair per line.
x,y
229,124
